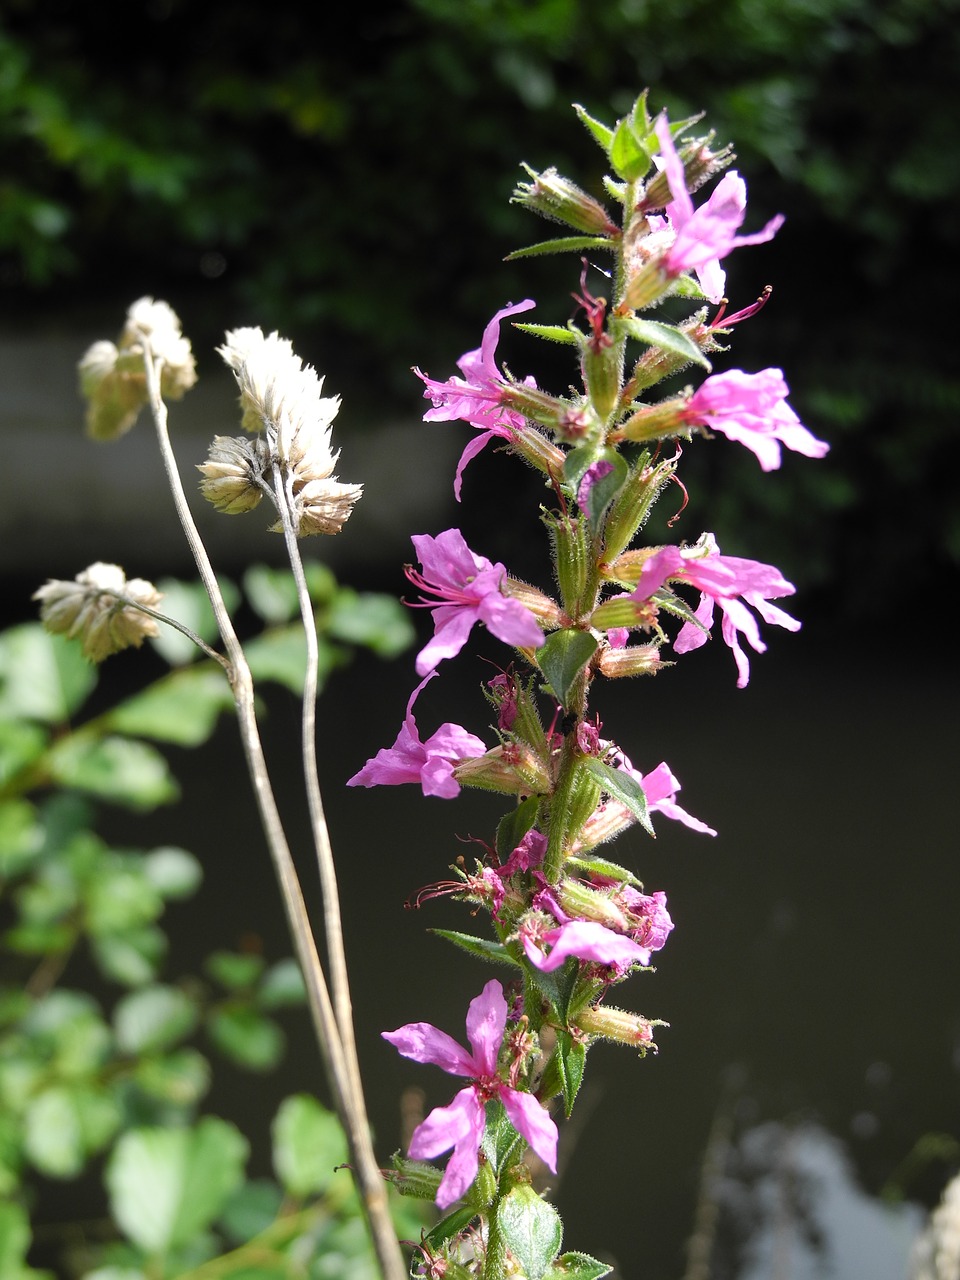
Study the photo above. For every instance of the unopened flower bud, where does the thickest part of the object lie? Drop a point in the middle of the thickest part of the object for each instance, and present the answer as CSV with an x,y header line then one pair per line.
x,y
583,903
556,197
654,421
98,606
699,166
513,769
543,608
633,503
231,475
620,1025
631,660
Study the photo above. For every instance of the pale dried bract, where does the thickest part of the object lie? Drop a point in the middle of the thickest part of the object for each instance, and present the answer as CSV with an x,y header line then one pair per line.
x,y
88,609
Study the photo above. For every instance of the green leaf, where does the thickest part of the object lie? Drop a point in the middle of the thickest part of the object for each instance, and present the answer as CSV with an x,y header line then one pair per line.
x,y
232,970
563,244
281,655
450,1226
603,867
562,657
622,787
251,1209
602,134
378,622
482,948
605,489
532,1229
282,986
182,707
187,602
118,769
14,1244
308,1145
42,677
574,1266
246,1037
116,1273
552,333
628,155
571,1060
173,872
21,838
182,1077
514,825
21,744
272,593
52,1136
119,896
665,336
131,956
153,1019
167,1185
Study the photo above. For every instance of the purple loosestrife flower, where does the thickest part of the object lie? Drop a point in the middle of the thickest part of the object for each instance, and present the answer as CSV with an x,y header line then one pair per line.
x,y
583,939
707,234
752,409
429,763
477,397
660,788
461,1124
469,589
721,580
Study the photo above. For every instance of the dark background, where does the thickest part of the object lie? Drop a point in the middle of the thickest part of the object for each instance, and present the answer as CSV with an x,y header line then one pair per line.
x,y
346,179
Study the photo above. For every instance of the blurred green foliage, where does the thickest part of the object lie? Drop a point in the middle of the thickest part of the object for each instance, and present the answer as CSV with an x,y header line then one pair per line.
x,y
105,1077
346,178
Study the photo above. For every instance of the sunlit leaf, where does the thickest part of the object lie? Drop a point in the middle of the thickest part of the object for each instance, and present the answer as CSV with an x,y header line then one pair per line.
x,y
246,1036
119,769
532,1229
182,707
42,677
153,1019
308,1145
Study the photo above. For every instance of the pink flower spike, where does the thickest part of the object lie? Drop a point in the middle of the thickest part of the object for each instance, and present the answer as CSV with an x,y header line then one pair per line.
x,y
585,940
461,1124
707,234
752,409
430,763
477,397
469,589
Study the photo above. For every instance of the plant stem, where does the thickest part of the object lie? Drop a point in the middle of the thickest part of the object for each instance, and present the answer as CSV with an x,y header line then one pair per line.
x,y
367,1175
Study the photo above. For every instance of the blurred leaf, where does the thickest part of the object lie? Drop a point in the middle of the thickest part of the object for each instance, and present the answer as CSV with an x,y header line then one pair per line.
x,y
282,985
272,593
181,1077
121,896
234,971
42,677
182,707
246,1037
167,1185
153,1019
21,838
173,872
21,744
52,1136
281,655
308,1145
322,585
14,1244
251,1209
131,956
187,602
379,622
118,769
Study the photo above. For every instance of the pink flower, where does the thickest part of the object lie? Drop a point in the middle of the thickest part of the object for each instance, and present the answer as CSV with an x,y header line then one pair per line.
x,y
470,590
477,396
429,763
721,580
707,234
660,788
584,939
461,1124
751,408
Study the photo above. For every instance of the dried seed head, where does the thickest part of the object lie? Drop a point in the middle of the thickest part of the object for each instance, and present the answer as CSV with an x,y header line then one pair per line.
x,y
231,474
98,606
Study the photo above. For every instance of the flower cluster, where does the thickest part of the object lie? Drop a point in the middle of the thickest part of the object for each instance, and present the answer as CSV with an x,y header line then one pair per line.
x,y
280,401
101,608
570,923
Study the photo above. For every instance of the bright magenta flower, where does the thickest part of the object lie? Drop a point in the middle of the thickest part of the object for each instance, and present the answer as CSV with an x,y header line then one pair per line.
x,y
429,763
721,579
660,788
584,939
469,589
752,409
461,1124
477,397
707,234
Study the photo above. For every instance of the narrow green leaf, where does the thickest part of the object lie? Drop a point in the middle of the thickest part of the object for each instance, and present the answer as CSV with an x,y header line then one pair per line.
x,y
623,788
603,867
577,1266
42,677
665,336
532,1229
182,707
563,244
551,332
562,657
153,1019
308,1145
168,1185
571,1058
603,491
602,134
482,948
514,825
118,769
450,1226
